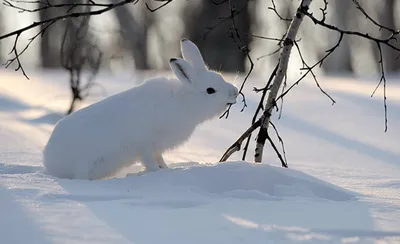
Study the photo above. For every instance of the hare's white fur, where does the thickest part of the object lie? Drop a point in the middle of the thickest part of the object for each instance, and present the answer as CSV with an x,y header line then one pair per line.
x,y
139,124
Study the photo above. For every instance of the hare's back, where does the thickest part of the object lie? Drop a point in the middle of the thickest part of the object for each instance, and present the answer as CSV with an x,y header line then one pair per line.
x,y
84,135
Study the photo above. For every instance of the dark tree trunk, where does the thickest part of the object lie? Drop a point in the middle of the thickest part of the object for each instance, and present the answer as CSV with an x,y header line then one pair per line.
x,y
1,31
79,52
50,44
219,50
386,18
340,60
135,34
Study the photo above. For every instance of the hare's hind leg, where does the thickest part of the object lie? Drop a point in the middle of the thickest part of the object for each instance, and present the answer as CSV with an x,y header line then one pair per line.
x,y
160,161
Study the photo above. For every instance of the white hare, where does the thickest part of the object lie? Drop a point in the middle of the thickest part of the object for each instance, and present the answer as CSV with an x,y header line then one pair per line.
x,y
139,124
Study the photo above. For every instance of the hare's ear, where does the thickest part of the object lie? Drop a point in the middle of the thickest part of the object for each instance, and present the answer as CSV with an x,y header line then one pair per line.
x,y
191,53
182,69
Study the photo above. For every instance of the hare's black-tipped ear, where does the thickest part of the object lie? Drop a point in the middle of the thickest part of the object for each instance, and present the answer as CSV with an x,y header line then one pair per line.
x,y
191,53
182,69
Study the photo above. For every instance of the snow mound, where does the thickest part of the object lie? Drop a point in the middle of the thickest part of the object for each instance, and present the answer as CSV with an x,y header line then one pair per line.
x,y
239,180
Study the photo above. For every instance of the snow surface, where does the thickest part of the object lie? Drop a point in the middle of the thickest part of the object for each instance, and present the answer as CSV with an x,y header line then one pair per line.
x,y
343,185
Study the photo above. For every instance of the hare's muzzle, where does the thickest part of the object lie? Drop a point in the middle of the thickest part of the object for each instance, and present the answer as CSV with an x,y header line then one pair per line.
x,y
232,96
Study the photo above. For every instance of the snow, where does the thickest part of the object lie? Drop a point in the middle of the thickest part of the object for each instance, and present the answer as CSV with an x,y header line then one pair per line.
x,y
343,184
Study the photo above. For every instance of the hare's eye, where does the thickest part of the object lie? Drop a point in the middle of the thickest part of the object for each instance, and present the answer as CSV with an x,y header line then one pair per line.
x,y
210,90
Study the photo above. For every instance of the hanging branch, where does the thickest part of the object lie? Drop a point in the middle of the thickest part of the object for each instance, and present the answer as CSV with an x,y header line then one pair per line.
x,y
379,42
99,8
273,8
78,49
237,39
166,2
17,54
310,70
362,10
284,164
44,5
382,79
232,14
283,160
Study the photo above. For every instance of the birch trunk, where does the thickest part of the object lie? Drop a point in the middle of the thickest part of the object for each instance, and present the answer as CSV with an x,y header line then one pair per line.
x,y
276,84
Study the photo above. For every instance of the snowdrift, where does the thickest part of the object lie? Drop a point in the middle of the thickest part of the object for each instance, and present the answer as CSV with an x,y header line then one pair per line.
x,y
239,179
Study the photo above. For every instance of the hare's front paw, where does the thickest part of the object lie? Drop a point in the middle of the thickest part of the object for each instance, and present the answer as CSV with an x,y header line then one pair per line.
x,y
160,161
149,161
151,167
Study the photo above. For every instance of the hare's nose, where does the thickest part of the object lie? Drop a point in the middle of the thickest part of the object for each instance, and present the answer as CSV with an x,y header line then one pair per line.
x,y
235,93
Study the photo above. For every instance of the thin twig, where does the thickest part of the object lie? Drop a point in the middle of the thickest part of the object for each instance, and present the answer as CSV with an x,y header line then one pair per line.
x,y
282,144
234,34
259,107
382,79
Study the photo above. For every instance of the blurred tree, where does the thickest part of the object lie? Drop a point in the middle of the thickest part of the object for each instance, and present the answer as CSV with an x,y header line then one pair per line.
x,y
1,31
79,51
204,27
49,47
134,27
340,60
386,17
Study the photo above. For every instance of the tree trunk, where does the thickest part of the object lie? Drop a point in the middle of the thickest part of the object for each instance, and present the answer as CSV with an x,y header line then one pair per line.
x,y
340,60
277,82
79,52
386,18
218,49
1,31
49,45
135,33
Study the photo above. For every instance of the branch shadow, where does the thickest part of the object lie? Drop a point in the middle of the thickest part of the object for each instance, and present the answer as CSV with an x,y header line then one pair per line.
x,y
299,233
301,125
8,104
16,225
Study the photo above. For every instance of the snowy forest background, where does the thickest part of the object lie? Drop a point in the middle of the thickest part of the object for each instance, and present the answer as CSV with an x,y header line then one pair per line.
x,y
131,37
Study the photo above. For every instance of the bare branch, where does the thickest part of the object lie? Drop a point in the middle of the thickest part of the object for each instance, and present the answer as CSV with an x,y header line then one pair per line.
x,y
284,162
379,42
236,146
47,5
49,22
273,8
279,74
382,79
282,69
17,54
322,23
166,2
78,50
232,14
259,107
277,151
218,3
308,68
234,34
362,10
319,63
